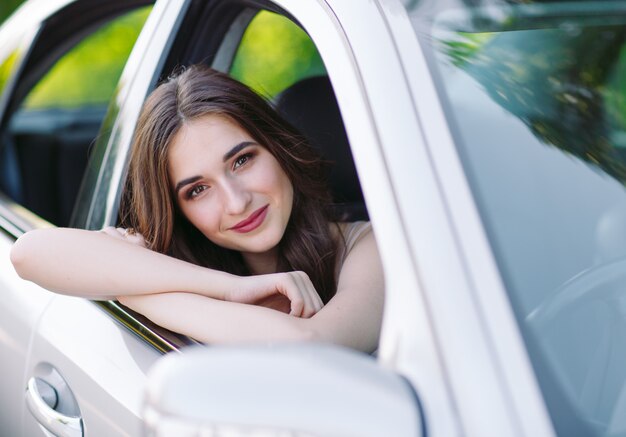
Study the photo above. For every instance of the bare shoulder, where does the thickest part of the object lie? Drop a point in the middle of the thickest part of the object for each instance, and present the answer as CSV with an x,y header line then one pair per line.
x,y
357,252
353,316
349,235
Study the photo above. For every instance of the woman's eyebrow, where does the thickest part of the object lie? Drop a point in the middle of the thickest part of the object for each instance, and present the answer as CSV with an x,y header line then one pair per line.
x,y
184,182
232,152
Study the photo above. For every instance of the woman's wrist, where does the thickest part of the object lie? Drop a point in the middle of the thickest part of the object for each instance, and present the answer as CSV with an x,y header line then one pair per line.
x,y
217,284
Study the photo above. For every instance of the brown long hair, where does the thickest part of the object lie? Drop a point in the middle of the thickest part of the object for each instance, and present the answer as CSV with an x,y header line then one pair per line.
x,y
149,206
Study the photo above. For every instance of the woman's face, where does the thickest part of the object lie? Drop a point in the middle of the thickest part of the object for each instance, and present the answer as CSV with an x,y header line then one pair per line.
x,y
228,186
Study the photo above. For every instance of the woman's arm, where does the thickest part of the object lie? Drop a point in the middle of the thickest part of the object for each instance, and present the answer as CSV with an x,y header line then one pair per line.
x,y
105,264
352,318
95,265
217,322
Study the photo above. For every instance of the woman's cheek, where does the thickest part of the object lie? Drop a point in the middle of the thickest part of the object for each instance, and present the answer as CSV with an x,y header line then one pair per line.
x,y
203,217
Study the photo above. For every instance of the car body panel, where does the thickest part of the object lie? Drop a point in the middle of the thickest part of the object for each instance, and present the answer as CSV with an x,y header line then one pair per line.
x,y
22,308
485,287
102,363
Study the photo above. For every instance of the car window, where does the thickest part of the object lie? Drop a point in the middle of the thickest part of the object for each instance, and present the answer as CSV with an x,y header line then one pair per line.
x,y
536,99
7,67
275,57
47,138
275,53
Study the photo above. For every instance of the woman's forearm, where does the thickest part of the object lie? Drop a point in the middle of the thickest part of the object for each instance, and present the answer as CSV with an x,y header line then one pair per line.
x,y
94,265
214,321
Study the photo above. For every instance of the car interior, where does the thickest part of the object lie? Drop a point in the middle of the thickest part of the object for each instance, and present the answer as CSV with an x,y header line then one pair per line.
x,y
310,106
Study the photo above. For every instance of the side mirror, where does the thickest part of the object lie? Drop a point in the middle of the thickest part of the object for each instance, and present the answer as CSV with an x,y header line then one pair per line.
x,y
285,390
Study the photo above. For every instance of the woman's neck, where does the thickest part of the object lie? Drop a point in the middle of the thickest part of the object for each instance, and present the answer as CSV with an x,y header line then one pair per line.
x,y
261,263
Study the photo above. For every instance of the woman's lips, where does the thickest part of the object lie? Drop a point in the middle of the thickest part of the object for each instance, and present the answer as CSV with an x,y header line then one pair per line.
x,y
252,222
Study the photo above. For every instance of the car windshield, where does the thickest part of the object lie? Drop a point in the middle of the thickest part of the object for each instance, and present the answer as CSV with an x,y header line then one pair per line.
x,y
535,95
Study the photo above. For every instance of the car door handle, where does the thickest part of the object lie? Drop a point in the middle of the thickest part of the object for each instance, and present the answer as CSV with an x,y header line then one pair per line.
x,y
41,399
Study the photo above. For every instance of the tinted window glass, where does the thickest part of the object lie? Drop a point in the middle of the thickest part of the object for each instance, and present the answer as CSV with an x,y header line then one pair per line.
x,y
536,97
92,67
48,139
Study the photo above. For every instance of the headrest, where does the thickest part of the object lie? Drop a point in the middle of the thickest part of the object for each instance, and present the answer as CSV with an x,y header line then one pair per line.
x,y
311,107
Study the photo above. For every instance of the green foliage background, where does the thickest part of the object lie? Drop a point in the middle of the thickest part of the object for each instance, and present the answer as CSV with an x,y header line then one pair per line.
x,y
7,7
568,85
89,72
275,53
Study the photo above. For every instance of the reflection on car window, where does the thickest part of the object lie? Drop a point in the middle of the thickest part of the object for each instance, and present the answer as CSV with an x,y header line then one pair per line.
x,y
92,67
537,102
275,53
48,138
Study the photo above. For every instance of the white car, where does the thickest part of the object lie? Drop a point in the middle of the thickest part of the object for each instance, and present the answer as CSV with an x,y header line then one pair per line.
x,y
489,140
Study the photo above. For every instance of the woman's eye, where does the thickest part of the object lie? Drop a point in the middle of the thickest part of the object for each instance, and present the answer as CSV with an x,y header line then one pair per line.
x,y
241,160
195,191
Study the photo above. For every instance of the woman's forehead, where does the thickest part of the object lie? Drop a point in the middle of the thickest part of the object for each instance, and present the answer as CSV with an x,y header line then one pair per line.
x,y
203,142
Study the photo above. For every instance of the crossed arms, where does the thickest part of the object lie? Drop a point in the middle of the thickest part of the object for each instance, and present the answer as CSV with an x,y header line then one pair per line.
x,y
208,305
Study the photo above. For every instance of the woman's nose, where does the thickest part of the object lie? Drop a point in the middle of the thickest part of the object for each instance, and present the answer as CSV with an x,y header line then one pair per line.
x,y
236,198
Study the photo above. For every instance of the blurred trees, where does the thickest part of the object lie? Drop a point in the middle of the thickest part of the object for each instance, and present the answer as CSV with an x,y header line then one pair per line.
x,y
93,67
7,7
275,53
566,81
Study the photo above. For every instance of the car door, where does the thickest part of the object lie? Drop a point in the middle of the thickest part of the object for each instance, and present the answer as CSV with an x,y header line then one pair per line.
x,y
59,69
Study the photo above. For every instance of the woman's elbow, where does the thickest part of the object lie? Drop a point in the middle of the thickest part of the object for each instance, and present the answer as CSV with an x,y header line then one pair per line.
x,y
31,252
307,332
22,254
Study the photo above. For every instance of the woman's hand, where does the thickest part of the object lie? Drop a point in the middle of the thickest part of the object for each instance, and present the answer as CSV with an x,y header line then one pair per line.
x,y
274,289
129,235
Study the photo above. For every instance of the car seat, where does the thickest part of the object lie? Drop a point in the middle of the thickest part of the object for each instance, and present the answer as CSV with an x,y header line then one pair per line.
x,y
311,107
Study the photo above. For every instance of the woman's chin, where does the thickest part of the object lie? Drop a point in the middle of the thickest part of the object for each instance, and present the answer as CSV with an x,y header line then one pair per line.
x,y
257,244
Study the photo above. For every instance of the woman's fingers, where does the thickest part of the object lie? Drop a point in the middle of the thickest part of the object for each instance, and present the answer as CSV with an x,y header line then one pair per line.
x,y
128,235
315,297
310,297
112,232
135,238
295,286
307,307
293,292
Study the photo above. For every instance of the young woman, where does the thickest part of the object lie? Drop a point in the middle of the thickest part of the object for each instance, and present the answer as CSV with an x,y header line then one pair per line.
x,y
226,234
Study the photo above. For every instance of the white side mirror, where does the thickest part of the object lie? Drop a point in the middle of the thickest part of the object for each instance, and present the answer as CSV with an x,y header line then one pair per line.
x,y
286,390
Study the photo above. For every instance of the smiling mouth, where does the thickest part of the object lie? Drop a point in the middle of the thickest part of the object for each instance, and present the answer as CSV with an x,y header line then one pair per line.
x,y
252,222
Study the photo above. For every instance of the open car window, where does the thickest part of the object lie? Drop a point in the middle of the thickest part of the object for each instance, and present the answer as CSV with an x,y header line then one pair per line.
x,y
275,53
274,56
